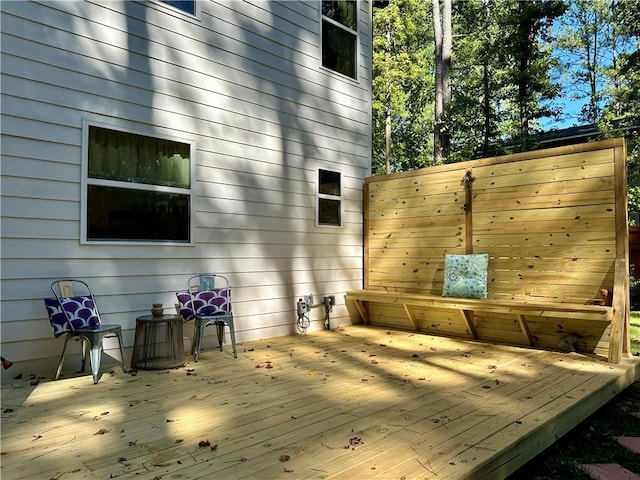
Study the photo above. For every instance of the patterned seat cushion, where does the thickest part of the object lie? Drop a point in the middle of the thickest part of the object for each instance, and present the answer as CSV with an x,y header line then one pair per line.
x,y
208,303
465,276
71,313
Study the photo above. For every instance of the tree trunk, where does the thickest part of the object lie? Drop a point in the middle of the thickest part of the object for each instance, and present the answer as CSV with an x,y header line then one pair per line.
x,y
387,123
439,94
486,93
486,108
443,45
524,51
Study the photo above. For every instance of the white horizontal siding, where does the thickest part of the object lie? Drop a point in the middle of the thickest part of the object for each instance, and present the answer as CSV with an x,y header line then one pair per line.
x,y
243,82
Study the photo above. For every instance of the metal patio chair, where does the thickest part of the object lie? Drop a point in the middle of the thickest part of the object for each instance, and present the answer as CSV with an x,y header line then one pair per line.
x,y
207,301
73,312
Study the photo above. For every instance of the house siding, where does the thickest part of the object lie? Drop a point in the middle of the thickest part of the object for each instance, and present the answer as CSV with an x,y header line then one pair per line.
x,y
244,82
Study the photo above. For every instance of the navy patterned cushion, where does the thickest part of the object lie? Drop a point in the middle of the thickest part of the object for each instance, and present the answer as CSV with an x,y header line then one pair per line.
x,y
184,305
207,303
71,313
57,318
465,276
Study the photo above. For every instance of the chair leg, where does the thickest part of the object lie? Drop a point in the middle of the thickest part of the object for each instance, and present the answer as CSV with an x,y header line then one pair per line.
x,y
124,362
220,332
197,339
64,350
232,331
193,340
96,355
83,353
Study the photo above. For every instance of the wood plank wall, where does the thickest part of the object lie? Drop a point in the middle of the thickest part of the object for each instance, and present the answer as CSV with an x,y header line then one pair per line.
x,y
551,221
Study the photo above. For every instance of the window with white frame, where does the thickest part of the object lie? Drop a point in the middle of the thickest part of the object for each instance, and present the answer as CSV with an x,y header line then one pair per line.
x,y
137,188
188,6
340,36
329,206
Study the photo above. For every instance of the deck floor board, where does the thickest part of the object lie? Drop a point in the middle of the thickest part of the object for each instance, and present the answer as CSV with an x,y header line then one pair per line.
x,y
358,402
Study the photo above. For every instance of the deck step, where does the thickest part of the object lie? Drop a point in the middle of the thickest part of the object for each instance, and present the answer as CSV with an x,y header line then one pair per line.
x,y
608,471
630,443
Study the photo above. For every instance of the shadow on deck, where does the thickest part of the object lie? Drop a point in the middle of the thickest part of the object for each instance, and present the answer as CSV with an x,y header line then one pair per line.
x,y
355,403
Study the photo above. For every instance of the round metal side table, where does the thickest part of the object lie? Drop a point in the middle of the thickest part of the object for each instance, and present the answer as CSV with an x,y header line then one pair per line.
x,y
158,342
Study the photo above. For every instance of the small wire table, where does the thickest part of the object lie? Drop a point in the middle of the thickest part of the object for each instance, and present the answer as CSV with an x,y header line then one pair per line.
x,y
158,342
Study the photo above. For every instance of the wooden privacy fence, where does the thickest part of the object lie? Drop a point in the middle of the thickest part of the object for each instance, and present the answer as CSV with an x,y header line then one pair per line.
x,y
554,223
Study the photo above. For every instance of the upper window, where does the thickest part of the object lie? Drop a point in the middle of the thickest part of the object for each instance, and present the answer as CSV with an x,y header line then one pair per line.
x,y
329,198
188,6
137,187
340,36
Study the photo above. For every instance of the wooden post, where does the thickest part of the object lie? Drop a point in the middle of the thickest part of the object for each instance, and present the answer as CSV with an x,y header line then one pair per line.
x,y
467,181
621,301
620,320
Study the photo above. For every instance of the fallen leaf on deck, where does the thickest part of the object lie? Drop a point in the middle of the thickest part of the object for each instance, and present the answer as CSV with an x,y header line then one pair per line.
x,y
284,458
102,431
353,441
204,443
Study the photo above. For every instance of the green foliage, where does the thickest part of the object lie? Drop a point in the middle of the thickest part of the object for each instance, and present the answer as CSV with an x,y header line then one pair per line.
x,y
403,84
528,63
624,110
585,46
505,74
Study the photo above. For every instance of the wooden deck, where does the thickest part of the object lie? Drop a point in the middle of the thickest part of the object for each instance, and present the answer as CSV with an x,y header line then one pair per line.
x,y
356,403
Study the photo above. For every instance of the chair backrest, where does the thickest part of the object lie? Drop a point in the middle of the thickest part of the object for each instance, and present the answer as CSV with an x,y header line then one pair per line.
x,y
72,307
208,294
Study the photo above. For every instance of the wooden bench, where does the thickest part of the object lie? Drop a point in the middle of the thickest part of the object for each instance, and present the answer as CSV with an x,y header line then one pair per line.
x,y
520,310
466,307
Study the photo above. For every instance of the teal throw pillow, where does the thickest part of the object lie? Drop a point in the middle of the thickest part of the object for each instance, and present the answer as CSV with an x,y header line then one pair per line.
x,y
465,275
